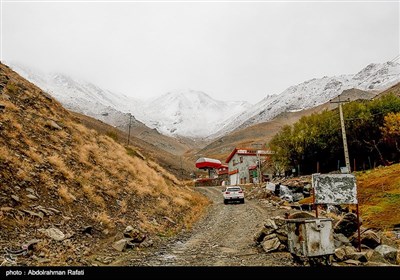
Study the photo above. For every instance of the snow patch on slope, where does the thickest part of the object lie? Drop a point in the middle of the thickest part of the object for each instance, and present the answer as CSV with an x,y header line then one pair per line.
x,y
312,93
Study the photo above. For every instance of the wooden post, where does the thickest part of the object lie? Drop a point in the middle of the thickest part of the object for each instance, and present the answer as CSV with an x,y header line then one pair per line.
x,y
315,205
358,228
354,164
317,166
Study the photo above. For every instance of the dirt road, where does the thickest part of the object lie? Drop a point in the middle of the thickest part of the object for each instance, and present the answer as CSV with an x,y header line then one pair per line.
x,y
224,237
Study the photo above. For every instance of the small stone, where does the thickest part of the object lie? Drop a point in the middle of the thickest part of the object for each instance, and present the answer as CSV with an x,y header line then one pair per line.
x,y
53,125
87,229
31,196
352,262
54,210
39,215
30,190
55,234
271,244
270,224
120,245
359,256
128,229
15,197
340,254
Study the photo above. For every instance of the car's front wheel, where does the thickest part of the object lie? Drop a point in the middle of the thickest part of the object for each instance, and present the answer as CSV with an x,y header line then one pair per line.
x,y
242,201
225,201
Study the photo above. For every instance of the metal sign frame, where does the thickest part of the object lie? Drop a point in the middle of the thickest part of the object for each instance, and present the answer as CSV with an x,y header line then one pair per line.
x,y
336,189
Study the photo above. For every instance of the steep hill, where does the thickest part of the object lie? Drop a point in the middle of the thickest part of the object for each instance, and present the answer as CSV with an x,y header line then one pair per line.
x,y
151,147
72,191
109,107
379,197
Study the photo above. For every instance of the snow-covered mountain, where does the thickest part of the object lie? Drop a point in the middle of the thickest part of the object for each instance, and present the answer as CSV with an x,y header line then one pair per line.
x,y
195,114
311,93
79,96
188,113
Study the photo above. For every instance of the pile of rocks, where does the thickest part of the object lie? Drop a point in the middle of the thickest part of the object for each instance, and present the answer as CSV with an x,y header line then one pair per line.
x,y
373,252
273,235
132,238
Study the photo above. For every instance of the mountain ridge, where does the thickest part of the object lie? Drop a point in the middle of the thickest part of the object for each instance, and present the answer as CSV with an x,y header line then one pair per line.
x,y
196,115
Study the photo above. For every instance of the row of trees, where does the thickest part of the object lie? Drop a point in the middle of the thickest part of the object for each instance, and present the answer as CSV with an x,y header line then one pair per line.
x,y
315,142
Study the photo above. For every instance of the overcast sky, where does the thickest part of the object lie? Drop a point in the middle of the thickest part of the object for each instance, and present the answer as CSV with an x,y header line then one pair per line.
x,y
232,51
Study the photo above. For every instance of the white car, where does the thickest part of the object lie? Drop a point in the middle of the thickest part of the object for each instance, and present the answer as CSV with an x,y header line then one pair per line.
x,y
233,193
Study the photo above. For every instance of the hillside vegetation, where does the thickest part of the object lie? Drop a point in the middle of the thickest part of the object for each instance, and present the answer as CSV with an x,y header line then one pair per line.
x,y
372,133
379,197
264,132
150,148
55,172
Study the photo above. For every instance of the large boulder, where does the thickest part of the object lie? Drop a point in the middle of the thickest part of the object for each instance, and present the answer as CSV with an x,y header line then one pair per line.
x,y
375,257
389,253
368,238
347,225
340,240
270,243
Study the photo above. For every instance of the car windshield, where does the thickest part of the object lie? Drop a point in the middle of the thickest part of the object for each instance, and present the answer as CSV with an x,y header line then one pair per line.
x,y
233,189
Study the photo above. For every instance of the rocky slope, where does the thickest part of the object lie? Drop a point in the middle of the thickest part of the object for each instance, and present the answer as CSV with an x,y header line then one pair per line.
x,y
67,191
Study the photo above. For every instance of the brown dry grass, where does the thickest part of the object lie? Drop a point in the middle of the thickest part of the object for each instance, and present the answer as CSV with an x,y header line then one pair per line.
x,y
65,194
92,196
114,186
36,157
59,164
5,154
104,219
379,196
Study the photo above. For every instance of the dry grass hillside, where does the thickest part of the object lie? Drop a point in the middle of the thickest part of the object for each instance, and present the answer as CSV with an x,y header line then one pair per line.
x,y
55,172
378,192
263,132
176,164
379,196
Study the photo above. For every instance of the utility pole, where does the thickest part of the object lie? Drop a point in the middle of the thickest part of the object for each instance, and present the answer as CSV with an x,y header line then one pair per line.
x,y
258,163
345,147
129,127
